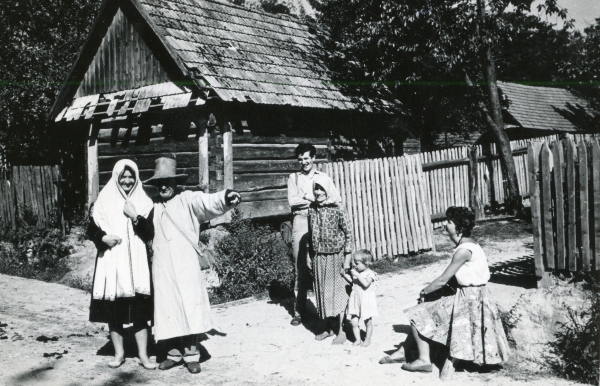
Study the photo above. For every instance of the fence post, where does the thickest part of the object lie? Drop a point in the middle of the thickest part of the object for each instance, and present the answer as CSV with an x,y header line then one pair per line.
x,y
475,200
596,197
534,196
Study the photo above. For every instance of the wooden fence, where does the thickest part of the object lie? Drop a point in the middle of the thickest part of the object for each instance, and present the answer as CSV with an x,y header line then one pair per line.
x,y
565,204
387,201
34,188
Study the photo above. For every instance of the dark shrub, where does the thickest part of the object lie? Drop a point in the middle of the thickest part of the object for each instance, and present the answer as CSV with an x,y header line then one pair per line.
x,y
577,343
33,251
251,259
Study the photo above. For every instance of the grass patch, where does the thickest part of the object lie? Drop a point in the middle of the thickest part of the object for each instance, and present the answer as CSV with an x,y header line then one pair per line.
x,y
401,263
502,230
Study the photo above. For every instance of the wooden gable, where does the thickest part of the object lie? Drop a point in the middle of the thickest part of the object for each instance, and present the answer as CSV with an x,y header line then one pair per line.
x,y
123,62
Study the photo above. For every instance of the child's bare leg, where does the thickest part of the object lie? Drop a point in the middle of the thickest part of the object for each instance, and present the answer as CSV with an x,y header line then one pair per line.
x,y
116,336
355,331
369,324
341,334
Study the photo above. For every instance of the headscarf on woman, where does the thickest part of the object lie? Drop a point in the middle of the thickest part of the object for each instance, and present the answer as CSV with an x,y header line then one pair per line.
x,y
121,271
333,193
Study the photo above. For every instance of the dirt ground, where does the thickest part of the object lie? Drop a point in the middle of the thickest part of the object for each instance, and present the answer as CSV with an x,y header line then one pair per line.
x,y
50,342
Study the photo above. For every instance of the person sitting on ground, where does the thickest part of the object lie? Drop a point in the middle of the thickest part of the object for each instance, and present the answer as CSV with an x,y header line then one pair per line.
x,y
362,306
466,322
332,245
120,229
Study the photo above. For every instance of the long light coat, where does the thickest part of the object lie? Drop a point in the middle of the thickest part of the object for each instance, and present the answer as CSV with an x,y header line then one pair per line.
x,y
181,305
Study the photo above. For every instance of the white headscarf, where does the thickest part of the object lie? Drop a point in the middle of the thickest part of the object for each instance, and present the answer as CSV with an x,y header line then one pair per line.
x,y
333,194
122,270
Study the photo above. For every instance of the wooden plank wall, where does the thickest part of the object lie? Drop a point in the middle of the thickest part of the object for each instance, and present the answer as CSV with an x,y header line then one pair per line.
x,y
387,201
36,188
565,203
262,165
122,62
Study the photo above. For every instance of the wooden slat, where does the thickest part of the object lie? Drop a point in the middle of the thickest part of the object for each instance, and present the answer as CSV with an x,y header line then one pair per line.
x,y
584,206
398,202
248,138
148,161
193,173
228,157
425,204
265,208
370,214
596,197
557,156
571,208
379,208
389,181
414,200
353,190
349,204
546,205
203,159
406,210
536,223
290,166
359,204
155,146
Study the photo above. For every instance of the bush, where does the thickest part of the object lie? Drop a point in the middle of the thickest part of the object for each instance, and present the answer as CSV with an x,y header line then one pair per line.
x,y
577,345
251,259
33,252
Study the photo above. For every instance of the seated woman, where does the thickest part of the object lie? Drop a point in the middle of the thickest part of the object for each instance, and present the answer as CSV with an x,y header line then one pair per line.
x,y
120,227
466,322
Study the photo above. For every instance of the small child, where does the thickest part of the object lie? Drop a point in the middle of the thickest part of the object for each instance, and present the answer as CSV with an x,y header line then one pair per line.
x,y
362,305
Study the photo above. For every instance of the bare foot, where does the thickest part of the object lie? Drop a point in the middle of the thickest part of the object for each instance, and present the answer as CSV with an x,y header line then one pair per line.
x,y
324,335
356,343
366,343
340,339
147,363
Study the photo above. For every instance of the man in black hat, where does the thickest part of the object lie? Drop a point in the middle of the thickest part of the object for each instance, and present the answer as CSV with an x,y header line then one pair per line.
x,y
181,304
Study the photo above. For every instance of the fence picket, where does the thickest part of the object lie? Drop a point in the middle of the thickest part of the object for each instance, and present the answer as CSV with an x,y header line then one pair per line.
x,y
596,195
546,205
532,157
380,210
584,206
557,155
396,188
571,216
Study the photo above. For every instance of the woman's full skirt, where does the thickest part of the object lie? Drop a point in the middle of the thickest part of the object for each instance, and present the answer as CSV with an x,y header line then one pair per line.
x,y
467,322
331,289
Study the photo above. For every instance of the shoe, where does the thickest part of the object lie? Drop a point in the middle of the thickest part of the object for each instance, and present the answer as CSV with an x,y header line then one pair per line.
x,y
296,321
116,364
168,364
193,367
417,368
151,366
387,360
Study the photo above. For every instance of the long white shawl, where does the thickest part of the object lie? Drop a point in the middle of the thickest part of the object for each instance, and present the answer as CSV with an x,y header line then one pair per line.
x,y
122,270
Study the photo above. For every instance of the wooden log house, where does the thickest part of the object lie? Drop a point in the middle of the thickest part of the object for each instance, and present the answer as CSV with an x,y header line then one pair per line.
x,y
226,91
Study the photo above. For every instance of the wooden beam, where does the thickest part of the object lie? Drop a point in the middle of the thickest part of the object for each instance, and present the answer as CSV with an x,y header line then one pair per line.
x,y
475,200
93,183
203,160
227,155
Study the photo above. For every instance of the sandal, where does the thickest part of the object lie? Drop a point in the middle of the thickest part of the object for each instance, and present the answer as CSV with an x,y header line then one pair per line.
x,y
296,321
387,360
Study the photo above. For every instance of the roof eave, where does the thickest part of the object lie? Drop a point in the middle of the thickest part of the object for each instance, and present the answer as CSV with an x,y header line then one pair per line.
x,y
144,24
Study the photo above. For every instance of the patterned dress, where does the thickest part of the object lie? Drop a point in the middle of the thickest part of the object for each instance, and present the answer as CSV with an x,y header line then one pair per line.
x,y
331,239
467,322
362,303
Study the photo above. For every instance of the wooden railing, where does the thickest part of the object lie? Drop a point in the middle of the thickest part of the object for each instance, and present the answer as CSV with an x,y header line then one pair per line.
x,y
564,177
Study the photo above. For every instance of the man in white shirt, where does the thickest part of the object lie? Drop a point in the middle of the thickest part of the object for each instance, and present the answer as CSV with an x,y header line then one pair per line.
x,y
300,196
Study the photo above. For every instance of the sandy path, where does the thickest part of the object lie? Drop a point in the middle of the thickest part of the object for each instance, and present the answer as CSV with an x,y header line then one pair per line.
x,y
253,342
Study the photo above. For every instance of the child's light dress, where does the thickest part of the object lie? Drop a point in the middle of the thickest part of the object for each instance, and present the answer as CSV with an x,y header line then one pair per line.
x,y
362,301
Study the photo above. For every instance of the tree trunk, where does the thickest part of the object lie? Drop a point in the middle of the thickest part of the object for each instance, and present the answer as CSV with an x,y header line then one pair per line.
x,y
496,125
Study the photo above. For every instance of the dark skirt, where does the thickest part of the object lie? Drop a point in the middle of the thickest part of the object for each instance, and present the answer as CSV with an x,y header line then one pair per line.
x,y
138,310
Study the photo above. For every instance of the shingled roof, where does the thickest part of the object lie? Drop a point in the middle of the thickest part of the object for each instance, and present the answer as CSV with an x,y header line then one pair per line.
x,y
544,108
237,54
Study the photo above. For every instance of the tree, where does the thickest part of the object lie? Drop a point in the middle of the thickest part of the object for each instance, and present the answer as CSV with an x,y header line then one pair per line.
x,y
427,43
40,42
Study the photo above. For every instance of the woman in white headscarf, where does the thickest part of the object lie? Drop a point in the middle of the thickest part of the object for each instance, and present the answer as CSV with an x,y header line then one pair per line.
x,y
121,227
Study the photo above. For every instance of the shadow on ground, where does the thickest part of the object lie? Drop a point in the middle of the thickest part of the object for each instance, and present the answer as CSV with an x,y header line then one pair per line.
x,y
518,272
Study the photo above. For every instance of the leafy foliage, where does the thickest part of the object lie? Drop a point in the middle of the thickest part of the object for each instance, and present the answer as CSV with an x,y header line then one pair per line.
x,y
577,345
250,259
40,43
32,251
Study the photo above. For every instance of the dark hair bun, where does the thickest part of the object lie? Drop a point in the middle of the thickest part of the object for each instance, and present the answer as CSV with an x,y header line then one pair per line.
x,y
462,217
